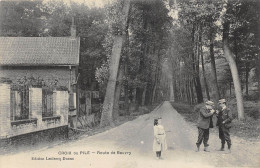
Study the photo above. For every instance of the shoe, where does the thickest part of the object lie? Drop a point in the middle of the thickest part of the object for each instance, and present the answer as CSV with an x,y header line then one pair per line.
x,y
228,151
198,149
206,149
221,149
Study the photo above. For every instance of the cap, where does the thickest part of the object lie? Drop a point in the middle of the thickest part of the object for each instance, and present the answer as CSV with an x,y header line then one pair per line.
x,y
222,101
211,103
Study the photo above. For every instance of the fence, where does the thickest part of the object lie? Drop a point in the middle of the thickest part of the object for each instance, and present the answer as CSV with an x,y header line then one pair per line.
x,y
89,114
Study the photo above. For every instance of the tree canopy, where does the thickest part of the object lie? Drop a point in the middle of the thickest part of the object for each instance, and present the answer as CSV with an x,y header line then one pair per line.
x,y
170,48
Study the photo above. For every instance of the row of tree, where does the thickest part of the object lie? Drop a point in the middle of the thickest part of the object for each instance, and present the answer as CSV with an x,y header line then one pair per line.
x,y
140,52
219,29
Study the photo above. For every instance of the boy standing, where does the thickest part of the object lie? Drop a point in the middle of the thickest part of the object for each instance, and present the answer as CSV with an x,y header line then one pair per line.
x,y
224,124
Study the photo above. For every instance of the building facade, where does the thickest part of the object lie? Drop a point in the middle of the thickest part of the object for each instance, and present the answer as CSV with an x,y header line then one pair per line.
x,y
36,75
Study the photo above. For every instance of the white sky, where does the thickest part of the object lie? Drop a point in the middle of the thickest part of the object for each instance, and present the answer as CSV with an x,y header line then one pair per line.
x,y
91,3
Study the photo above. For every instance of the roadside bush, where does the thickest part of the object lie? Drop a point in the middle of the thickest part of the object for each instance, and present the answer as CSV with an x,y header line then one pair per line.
x,y
253,112
186,110
253,97
182,107
249,128
198,107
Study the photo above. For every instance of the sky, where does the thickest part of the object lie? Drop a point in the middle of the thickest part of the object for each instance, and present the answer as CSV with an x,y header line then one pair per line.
x,y
91,3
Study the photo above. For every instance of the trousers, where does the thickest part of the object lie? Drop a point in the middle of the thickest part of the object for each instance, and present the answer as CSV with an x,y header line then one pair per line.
x,y
224,135
158,153
203,136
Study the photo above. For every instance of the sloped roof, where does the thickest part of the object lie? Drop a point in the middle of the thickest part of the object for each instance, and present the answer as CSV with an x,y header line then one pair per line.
x,y
39,51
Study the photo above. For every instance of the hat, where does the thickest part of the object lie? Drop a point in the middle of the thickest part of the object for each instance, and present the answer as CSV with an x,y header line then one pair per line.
x,y
222,101
211,103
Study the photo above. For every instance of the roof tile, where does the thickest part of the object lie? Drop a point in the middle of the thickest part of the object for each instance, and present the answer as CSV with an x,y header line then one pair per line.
x,y
39,51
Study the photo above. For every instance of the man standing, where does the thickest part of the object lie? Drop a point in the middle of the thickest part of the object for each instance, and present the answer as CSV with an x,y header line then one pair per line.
x,y
204,123
224,123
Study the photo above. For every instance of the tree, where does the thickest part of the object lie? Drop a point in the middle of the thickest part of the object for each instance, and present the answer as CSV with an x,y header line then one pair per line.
x,y
21,18
202,64
230,57
107,110
213,65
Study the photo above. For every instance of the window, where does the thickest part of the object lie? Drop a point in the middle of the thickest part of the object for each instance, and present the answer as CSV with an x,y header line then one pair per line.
x,y
72,101
47,102
19,103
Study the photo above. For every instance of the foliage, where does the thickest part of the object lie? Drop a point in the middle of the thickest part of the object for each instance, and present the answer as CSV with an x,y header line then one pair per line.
x,y
21,18
27,82
153,36
244,18
101,73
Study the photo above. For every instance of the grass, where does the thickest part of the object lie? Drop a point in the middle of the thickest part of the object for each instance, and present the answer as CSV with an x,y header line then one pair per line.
x,y
247,129
186,111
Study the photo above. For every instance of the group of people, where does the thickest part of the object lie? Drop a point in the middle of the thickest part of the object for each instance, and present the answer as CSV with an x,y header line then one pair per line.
x,y
206,113
224,118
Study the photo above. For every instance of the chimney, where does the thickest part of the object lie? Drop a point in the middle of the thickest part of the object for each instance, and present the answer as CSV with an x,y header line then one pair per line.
x,y
73,29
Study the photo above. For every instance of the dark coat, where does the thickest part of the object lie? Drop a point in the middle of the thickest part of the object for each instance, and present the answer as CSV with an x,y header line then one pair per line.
x,y
226,116
205,118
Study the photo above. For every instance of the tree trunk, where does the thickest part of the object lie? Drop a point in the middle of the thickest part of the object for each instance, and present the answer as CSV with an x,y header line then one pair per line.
x,y
213,68
247,75
192,92
198,89
156,76
258,79
126,104
202,63
230,88
106,118
154,88
126,61
133,104
258,76
171,89
237,59
139,94
180,92
107,111
196,77
171,80
232,63
204,77
144,94
188,90
118,92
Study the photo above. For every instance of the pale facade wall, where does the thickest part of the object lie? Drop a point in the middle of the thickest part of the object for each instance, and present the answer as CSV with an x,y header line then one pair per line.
x,y
35,122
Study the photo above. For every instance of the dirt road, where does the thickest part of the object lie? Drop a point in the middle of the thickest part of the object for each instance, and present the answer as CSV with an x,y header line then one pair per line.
x,y
130,146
